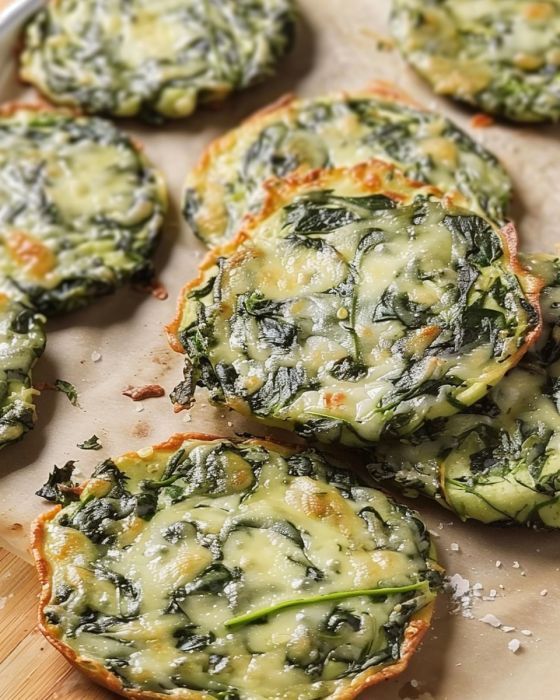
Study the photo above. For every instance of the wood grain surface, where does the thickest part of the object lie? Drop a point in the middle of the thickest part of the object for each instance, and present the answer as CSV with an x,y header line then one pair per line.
x,y
30,669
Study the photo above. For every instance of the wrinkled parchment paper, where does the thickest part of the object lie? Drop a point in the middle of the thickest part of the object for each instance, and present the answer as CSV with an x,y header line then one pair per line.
x,y
513,574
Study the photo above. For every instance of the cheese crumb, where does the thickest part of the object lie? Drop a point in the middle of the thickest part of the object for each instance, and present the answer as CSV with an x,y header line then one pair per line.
x,y
96,356
498,564
145,452
527,633
544,592
491,620
507,628
454,547
516,565
514,645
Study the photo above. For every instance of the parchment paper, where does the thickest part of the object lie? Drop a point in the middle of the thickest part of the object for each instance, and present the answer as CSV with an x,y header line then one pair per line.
x,y
463,658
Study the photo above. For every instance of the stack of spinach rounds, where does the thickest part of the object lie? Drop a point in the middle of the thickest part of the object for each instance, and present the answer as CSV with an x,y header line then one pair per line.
x,y
337,130
356,306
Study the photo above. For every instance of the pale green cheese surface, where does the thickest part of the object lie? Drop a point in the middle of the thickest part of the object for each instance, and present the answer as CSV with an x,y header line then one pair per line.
x,y
501,55
337,131
22,340
500,461
161,58
80,207
351,318
146,592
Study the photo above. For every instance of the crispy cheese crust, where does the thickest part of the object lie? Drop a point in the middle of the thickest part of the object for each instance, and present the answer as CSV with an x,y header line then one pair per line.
x,y
500,55
331,313
166,60
62,550
337,130
82,206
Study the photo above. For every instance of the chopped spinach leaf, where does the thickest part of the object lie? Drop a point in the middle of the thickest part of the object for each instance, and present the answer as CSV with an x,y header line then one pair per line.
x,y
91,443
59,487
68,389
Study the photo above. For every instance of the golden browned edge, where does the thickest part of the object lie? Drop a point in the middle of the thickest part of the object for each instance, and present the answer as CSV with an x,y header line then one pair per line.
x,y
414,633
369,176
8,109
381,89
532,284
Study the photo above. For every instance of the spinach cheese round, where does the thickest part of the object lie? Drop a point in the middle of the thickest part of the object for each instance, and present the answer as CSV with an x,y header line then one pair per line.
x,y
500,55
357,305
500,460
80,207
202,568
338,130
153,59
22,341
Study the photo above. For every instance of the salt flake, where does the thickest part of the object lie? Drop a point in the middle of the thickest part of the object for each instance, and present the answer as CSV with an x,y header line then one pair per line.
x,y
459,585
514,645
491,620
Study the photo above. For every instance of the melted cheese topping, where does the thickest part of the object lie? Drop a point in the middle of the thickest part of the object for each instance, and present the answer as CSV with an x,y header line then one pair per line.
x,y
163,58
358,317
499,462
220,530
499,55
337,131
22,340
80,207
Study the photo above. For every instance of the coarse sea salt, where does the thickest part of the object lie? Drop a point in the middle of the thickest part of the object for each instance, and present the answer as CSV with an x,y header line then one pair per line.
x,y
459,586
491,620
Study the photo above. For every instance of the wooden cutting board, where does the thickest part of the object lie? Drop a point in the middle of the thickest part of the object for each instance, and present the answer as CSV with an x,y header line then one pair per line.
x,y
30,669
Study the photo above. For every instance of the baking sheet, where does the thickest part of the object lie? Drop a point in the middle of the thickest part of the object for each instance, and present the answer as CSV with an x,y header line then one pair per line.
x,y
337,48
